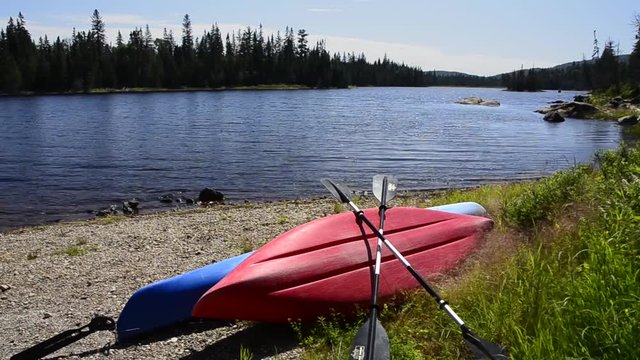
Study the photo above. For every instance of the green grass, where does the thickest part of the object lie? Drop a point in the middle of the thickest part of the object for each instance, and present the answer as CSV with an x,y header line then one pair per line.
x,y
568,289
601,98
245,354
79,248
109,219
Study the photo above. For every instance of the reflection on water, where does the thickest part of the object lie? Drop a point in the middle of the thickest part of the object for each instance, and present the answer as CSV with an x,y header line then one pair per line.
x,y
63,155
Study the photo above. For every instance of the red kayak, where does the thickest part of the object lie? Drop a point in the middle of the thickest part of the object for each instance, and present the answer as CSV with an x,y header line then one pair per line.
x,y
325,266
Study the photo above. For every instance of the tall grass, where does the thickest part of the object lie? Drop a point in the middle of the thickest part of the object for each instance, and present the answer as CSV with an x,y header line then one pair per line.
x,y
570,290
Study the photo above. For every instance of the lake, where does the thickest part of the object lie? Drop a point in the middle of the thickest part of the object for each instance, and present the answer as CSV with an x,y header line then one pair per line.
x,y
64,156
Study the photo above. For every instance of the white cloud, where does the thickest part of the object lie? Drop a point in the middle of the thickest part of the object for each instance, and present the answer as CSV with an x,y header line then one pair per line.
x,y
325,10
427,58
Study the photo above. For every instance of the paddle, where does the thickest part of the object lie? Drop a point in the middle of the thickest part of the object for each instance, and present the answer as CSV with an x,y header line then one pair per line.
x,y
480,347
372,335
98,323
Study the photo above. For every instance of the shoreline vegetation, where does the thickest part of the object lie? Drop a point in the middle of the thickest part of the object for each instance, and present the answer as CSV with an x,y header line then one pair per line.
x,y
145,90
556,278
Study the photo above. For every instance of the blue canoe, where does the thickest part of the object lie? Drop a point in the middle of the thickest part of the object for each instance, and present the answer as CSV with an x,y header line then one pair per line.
x,y
170,301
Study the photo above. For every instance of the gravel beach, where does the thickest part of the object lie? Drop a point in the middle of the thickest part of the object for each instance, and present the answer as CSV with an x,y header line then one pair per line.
x,y
57,277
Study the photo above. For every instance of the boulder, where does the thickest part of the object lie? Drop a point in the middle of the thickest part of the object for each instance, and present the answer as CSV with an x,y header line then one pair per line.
x,y
103,213
554,117
209,195
130,207
581,98
490,103
474,100
628,120
574,109
613,104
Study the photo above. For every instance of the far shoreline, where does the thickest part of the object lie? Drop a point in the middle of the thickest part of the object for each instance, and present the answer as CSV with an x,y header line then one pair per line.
x,y
147,90
261,87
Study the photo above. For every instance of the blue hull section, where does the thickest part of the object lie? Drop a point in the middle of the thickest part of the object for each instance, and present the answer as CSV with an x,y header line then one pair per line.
x,y
467,208
170,301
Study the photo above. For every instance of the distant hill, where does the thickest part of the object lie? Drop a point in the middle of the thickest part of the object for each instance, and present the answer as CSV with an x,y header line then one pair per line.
x,y
621,58
443,73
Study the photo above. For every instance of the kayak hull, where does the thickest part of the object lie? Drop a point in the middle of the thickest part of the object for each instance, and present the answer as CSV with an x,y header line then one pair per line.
x,y
325,266
170,301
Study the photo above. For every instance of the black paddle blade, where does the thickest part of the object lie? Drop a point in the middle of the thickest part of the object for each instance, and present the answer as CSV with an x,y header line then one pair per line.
x,y
392,185
484,349
340,192
51,345
358,350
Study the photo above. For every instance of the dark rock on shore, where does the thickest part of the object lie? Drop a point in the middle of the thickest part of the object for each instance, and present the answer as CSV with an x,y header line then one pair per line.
x,y
181,199
581,98
208,195
554,117
628,120
574,109
130,207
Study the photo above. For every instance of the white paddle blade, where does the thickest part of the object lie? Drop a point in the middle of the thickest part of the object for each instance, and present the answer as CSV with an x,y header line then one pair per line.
x,y
392,186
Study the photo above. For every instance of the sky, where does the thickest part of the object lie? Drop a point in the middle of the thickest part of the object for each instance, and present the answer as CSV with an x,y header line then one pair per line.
x,y
476,37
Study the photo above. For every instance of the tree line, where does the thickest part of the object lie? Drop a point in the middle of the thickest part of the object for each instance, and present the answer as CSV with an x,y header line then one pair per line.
x,y
604,71
248,57
86,62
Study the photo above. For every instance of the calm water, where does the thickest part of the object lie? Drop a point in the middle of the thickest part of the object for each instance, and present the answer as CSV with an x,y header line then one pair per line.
x,y
61,156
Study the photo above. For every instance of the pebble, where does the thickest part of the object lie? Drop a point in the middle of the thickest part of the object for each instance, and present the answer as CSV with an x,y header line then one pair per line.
x,y
46,315
5,287
172,340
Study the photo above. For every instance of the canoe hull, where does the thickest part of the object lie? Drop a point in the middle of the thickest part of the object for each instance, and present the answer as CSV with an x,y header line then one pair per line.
x,y
170,301
325,265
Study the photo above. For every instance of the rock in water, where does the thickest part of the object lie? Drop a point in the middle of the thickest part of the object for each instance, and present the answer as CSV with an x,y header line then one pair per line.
x,y
553,116
166,198
209,195
474,100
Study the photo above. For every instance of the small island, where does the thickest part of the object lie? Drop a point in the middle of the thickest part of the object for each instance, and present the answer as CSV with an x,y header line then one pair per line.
x,y
473,100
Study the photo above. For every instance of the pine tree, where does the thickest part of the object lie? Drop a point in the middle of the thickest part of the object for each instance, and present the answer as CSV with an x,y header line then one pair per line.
x,y
302,50
607,68
596,49
187,33
119,40
98,30
148,38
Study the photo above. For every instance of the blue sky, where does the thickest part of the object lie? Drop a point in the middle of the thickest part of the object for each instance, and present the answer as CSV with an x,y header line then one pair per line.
x,y
478,37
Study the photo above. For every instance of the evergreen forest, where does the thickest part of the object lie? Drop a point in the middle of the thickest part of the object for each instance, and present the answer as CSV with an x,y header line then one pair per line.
x,y
86,62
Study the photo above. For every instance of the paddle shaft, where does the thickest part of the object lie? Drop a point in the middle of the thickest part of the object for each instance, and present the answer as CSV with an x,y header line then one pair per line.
x,y
443,304
376,277
467,333
479,346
